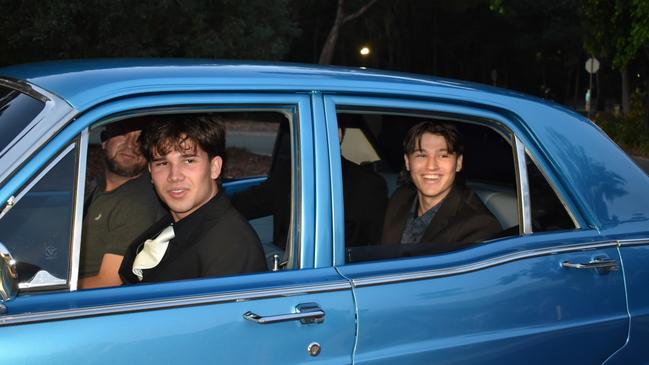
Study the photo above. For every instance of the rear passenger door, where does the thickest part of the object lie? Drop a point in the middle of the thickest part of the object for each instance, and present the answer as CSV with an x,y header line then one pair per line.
x,y
516,298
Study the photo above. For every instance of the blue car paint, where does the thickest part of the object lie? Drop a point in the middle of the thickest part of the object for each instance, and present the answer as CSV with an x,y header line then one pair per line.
x,y
636,275
211,332
605,191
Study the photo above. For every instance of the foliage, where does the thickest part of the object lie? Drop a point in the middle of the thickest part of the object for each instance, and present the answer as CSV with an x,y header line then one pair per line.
x,y
56,29
630,132
616,29
640,26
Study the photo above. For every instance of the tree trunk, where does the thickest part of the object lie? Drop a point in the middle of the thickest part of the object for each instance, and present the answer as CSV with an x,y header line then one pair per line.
x,y
625,91
327,54
576,101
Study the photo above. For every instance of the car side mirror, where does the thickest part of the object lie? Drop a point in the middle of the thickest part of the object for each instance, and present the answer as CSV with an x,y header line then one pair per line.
x,y
8,275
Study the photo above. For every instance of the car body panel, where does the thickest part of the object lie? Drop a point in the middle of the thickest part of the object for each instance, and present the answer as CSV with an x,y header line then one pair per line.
x,y
506,300
475,313
188,322
636,272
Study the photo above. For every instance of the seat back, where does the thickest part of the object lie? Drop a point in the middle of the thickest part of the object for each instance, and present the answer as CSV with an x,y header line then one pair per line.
x,y
501,202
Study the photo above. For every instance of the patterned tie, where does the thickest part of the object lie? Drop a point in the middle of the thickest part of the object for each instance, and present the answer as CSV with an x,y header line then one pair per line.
x,y
152,252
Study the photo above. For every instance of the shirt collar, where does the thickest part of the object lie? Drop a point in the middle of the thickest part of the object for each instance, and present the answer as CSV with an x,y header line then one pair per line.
x,y
428,215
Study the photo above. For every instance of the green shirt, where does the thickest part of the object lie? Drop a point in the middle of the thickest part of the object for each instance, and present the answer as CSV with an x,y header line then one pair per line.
x,y
114,219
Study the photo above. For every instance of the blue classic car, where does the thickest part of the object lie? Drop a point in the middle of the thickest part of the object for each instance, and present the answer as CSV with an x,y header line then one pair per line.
x,y
564,282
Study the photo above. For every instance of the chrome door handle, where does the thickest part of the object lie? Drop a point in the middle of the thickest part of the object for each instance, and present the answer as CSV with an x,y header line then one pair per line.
x,y
601,265
306,313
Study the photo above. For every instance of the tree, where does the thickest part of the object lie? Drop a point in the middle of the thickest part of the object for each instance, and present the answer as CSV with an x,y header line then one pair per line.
x,y
544,35
326,56
34,30
617,30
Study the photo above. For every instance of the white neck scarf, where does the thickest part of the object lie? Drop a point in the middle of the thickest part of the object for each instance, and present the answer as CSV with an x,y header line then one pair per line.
x,y
152,252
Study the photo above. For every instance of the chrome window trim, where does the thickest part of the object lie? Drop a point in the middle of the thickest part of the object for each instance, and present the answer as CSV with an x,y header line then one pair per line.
x,y
55,109
462,269
25,88
523,186
77,222
229,297
634,242
295,224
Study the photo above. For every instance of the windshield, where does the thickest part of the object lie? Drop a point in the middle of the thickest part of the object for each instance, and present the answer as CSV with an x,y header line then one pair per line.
x,y
16,111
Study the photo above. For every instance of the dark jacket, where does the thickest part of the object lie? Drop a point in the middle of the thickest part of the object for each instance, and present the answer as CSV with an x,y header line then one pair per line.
x,y
365,197
213,240
461,220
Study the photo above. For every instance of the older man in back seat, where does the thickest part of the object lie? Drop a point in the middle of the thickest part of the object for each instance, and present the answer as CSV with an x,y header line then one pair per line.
x,y
433,207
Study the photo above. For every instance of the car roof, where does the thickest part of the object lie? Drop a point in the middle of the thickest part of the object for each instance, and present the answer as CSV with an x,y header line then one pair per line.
x,y
566,142
83,83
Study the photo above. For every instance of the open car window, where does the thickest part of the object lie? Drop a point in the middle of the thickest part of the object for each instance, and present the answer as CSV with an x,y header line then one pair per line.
x,y
488,170
252,143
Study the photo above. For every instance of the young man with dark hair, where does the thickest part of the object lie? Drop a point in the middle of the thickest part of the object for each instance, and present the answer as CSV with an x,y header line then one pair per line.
x,y
203,235
119,206
433,207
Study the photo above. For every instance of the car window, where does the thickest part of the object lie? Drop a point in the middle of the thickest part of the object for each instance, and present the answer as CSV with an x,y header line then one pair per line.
x,y
36,229
250,142
16,111
488,173
548,213
253,154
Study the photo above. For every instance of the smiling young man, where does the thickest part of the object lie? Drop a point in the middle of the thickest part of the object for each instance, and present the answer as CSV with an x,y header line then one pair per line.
x,y
434,207
203,235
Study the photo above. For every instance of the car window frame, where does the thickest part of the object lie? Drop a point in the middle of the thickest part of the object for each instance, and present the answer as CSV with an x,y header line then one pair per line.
x,y
77,130
501,121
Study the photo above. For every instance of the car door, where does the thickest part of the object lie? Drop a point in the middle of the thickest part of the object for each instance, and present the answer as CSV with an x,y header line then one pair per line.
x,y
299,314
532,295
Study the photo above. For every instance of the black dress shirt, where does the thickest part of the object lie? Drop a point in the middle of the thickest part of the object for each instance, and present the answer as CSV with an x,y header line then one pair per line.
x,y
214,240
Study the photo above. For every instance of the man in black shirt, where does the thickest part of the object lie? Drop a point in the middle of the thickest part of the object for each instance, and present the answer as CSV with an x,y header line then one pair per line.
x,y
203,234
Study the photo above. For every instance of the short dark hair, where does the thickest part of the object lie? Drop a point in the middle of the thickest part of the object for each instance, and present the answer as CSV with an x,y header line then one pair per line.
x,y
173,132
412,141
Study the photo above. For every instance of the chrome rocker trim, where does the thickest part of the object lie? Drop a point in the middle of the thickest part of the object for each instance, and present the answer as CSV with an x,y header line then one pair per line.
x,y
229,297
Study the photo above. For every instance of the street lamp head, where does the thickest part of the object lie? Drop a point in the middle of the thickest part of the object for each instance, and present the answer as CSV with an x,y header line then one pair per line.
x,y
365,51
